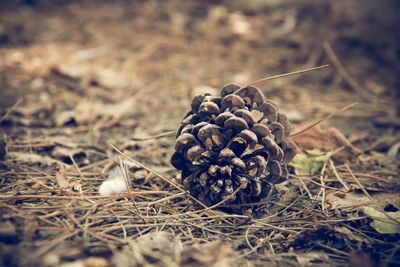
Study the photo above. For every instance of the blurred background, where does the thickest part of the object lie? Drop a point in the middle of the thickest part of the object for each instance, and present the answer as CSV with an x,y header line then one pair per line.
x,y
82,56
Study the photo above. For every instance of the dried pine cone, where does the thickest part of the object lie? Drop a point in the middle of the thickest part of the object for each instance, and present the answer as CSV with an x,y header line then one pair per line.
x,y
234,143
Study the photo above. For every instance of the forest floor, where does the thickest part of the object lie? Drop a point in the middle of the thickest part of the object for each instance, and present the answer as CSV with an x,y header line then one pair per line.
x,y
82,80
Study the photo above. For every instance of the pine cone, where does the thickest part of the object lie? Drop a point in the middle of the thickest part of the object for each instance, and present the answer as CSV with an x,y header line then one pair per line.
x,y
234,143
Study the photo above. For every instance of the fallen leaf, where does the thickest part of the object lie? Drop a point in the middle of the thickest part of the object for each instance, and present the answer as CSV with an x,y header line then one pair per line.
x,y
381,223
327,141
350,234
352,201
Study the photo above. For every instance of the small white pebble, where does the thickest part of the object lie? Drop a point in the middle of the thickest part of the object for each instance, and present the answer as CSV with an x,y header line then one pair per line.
x,y
239,23
115,183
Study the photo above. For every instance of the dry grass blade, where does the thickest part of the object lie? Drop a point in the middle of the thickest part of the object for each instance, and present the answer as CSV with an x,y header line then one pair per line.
x,y
345,74
157,136
347,189
42,250
280,76
159,176
330,248
80,196
305,187
330,115
10,110
128,186
322,179
369,196
224,200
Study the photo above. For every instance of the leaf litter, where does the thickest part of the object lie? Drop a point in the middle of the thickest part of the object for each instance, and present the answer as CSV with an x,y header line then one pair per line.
x,y
339,205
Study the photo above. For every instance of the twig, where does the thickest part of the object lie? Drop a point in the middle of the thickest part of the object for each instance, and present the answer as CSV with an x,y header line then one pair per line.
x,y
26,167
277,228
89,231
330,115
280,76
345,74
247,237
166,198
305,187
157,136
224,200
338,176
323,188
159,176
4,197
122,225
11,109
330,248
276,214
50,244
31,145
309,179
76,166
128,186
97,163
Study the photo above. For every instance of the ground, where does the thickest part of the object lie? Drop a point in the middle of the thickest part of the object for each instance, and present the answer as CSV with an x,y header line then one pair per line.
x,y
82,81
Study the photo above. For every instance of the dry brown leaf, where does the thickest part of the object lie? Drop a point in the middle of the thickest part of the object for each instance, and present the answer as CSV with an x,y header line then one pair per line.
x,y
327,141
347,202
